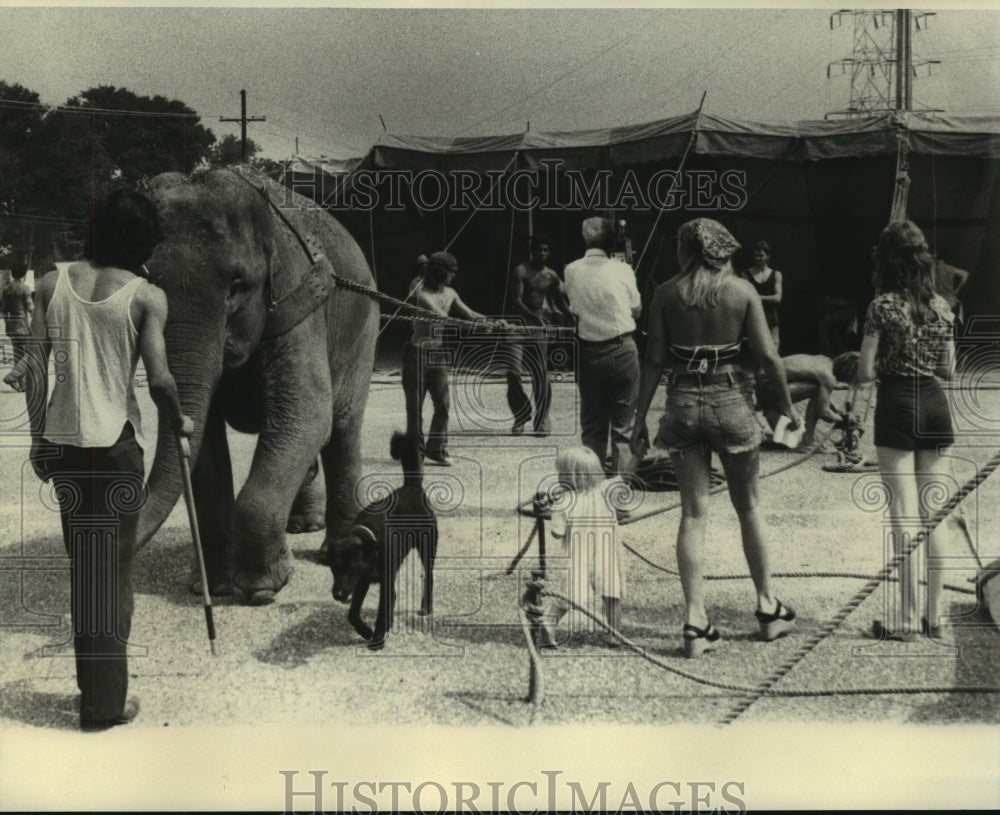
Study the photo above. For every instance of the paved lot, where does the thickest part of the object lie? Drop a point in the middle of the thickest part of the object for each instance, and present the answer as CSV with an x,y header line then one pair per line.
x,y
292,689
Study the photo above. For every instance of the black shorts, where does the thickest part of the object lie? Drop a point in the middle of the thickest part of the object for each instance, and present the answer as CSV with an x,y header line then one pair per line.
x,y
912,413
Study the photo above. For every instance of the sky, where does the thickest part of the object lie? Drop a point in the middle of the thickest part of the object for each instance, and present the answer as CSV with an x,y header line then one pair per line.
x,y
325,76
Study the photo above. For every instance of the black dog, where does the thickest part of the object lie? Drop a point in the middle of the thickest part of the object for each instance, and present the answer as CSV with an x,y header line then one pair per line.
x,y
374,548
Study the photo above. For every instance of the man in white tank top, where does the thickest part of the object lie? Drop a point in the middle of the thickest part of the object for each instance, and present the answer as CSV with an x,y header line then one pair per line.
x,y
100,317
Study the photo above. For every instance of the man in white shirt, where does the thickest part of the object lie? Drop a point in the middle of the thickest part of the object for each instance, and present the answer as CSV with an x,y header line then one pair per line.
x,y
603,295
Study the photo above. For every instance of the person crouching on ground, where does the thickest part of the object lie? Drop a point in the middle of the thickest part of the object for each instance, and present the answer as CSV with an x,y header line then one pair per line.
x,y
110,317
813,377
585,522
697,322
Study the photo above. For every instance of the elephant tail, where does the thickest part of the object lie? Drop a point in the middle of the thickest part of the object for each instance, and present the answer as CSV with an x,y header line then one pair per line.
x,y
405,449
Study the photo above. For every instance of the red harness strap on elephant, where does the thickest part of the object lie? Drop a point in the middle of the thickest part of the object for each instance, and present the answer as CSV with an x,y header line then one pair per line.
x,y
310,294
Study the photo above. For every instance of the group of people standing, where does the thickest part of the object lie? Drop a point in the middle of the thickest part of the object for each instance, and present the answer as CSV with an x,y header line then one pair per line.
x,y
699,325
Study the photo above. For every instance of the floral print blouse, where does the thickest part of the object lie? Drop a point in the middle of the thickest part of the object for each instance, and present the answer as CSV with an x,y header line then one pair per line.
x,y
903,348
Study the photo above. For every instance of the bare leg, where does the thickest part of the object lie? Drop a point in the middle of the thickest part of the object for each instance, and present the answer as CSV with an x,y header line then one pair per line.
x,y
934,478
898,474
613,612
812,415
693,468
742,478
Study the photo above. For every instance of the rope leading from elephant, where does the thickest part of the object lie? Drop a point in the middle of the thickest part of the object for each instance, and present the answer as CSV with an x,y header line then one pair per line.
x,y
419,314
311,291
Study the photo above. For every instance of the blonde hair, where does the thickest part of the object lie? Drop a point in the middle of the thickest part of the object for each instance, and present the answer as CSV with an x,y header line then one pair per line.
x,y
700,286
703,273
579,468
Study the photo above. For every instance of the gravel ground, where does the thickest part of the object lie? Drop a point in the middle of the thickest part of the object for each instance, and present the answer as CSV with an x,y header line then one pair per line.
x,y
294,689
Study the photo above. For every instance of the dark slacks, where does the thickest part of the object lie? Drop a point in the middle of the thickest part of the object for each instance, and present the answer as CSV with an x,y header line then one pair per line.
x,y
425,371
609,384
529,356
100,492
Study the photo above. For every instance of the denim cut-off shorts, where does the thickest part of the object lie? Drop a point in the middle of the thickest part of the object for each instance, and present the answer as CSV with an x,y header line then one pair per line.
x,y
717,417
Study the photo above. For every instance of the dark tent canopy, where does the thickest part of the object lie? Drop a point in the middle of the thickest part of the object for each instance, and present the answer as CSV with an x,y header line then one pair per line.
x,y
818,192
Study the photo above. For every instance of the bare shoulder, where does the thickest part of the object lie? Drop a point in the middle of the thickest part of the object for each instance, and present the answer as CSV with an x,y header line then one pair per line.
x,y
741,287
151,297
45,286
664,291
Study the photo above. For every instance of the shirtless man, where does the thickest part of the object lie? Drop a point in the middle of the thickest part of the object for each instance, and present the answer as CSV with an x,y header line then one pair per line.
x,y
537,296
812,377
425,361
17,304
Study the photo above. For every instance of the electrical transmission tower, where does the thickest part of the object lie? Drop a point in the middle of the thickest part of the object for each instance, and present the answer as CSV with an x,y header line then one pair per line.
x,y
881,64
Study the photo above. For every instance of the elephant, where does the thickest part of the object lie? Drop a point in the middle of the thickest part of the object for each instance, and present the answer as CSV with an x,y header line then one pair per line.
x,y
259,337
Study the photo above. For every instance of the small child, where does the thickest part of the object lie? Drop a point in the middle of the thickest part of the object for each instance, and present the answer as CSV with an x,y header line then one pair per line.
x,y
585,523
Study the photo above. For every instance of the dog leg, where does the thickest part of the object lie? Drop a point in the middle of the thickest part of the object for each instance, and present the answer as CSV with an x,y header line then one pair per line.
x,y
386,609
428,552
354,612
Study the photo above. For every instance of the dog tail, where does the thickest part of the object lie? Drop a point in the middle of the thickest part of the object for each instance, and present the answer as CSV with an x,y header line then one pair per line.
x,y
404,448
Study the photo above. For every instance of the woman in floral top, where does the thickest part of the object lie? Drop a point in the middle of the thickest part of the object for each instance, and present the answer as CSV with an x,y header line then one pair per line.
x,y
908,345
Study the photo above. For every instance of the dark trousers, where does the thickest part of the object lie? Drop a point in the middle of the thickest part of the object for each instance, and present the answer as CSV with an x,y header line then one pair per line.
x,y
18,341
425,371
609,384
100,492
531,357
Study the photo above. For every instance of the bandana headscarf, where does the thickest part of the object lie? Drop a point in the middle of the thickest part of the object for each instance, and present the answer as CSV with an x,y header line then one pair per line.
x,y
714,242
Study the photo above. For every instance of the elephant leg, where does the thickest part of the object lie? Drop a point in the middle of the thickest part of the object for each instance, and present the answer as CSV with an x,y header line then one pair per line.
x,y
342,471
309,508
212,482
264,562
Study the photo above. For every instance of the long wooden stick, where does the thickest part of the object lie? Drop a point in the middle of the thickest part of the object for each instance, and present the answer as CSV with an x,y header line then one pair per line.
x,y
184,454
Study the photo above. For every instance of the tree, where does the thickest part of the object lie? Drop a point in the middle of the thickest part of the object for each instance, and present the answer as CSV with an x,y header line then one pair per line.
x,y
21,120
54,164
144,136
229,150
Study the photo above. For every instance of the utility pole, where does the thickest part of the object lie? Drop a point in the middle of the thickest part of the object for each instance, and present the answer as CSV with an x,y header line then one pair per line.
x,y
881,63
243,123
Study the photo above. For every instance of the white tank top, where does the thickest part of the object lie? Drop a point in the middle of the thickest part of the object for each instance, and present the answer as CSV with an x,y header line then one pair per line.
x,y
94,351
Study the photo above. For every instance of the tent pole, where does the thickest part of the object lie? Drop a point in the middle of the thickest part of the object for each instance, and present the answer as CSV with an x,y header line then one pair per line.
x,y
901,193
677,178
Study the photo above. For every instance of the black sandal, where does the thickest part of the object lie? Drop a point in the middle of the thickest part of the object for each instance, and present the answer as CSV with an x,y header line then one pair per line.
x,y
776,624
699,640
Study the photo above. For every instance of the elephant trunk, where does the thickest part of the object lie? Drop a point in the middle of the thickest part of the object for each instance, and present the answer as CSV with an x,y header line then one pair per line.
x,y
197,372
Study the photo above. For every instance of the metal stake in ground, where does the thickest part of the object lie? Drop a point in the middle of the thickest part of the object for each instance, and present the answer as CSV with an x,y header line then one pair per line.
x,y
184,454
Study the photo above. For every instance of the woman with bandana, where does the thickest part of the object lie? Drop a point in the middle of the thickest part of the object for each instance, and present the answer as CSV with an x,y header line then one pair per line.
x,y
698,322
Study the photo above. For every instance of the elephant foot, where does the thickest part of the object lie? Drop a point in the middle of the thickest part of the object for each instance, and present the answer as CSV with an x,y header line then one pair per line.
x,y
260,589
217,586
305,522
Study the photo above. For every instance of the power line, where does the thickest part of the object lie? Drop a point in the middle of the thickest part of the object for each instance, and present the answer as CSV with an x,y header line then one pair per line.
x,y
560,78
16,104
243,120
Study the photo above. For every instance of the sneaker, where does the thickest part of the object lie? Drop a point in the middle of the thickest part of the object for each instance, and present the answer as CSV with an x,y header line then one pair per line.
x,y
129,712
517,429
443,461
